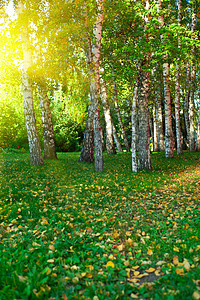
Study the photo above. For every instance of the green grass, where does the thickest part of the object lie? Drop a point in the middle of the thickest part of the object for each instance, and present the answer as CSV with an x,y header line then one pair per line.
x,y
67,232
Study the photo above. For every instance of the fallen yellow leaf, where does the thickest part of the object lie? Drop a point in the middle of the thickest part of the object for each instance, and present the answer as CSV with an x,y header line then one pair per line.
x,y
179,271
175,260
135,267
110,264
51,261
149,252
150,270
136,273
120,247
90,267
51,247
196,295
187,266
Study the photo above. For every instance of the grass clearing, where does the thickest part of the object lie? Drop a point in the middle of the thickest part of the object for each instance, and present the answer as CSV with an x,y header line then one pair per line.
x,y
67,232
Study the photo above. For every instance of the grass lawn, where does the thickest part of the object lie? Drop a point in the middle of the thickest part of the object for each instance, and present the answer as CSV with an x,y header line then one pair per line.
x,y
67,232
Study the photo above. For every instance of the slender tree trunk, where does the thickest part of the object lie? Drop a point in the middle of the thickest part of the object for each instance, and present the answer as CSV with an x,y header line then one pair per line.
x,y
144,157
193,75
116,139
169,145
177,113
198,134
48,132
94,61
119,117
87,153
177,94
155,132
134,129
186,102
159,118
32,133
108,119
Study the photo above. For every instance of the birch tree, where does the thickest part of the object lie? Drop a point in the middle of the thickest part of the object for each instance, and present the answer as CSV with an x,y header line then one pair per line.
x,y
107,114
169,145
32,133
177,93
48,131
94,63
192,86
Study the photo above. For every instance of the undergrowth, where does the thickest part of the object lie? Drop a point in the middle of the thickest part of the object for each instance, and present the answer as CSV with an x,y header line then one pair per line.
x,y
67,232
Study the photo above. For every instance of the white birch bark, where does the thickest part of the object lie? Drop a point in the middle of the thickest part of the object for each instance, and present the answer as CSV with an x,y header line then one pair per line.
x,y
107,114
177,95
192,106
48,131
169,145
116,139
159,118
94,59
186,102
144,155
155,133
32,133
134,129
120,118
198,134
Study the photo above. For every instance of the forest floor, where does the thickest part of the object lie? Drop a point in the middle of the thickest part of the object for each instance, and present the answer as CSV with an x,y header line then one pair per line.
x,y
67,232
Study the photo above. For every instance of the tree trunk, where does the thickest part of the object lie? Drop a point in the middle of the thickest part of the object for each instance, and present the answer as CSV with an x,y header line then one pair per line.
x,y
159,118
93,58
116,138
108,119
144,157
177,113
32,133
134,129
177,95
87,153
169,145
155,133
186,102
198,134
192,89
48,132
119,118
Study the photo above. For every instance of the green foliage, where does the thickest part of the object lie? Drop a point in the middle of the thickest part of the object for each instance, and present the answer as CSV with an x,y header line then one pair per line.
x,y
67,232
68,135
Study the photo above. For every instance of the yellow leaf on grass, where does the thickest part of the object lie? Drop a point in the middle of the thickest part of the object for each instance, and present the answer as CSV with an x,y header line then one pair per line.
x,y
89,275
120,247
187,266
90,267
110,264
128,233
149,252
135,267
136,273
130,241
176,249
175,260
51,261
196,295
179,271
83,274
51,247
150,270
134,296
141,276
115,234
